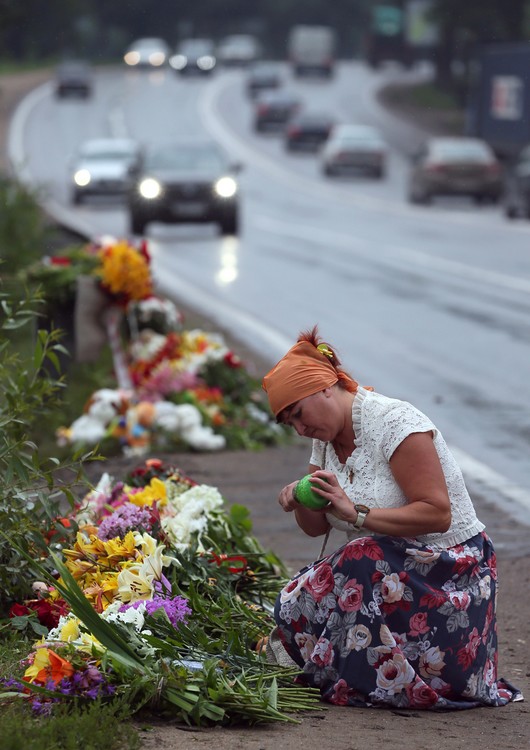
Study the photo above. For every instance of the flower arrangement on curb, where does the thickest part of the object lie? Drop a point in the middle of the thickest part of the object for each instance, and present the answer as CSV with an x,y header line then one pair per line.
x,y
160,596
176,388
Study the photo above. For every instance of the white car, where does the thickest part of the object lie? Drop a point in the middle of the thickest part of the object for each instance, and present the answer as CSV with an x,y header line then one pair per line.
x,y
353,147
103,166
150,52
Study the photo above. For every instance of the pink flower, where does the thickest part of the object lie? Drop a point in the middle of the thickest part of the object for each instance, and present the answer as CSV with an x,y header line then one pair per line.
x,y
320,582
418,624
322,653
351,596
421,695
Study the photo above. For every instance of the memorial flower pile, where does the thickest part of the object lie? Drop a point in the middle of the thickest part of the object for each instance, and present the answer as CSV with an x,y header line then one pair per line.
x,y
160,594
175,388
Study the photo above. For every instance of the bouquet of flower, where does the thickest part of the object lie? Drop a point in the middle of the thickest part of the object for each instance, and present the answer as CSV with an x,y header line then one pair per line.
x,y
167,594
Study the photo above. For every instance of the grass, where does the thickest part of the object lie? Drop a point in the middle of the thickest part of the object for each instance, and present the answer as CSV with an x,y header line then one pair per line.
x,y
87,727
424,102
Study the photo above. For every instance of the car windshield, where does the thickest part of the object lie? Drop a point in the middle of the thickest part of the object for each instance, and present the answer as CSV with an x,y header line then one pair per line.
x,y
463,151
196,47
108,155
188,157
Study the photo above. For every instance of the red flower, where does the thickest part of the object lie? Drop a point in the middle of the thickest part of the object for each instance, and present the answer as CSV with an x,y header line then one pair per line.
x,y
232,360
59,260
47,611
366,546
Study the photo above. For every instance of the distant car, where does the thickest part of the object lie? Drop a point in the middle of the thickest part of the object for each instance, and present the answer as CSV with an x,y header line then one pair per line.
x,y
516,196
238,50
103,166
73,78
194,56
273,109
455,166
354,148
308,131
262,76
149,52
185,181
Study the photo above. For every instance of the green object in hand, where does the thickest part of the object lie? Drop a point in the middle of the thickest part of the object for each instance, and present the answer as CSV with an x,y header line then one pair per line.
x,y
306,495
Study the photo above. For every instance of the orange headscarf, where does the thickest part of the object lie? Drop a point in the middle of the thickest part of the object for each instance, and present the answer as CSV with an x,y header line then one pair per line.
x,y
303,371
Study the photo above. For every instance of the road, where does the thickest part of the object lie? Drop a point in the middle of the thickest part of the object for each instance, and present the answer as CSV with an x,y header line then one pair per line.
x,y
430,304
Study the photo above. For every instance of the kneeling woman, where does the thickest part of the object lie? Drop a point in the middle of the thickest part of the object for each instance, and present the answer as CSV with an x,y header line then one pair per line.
x,y
404,613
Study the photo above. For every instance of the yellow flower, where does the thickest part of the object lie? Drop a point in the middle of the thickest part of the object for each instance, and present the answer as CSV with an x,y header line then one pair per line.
x,y
70,630
41,661
155,491
124,271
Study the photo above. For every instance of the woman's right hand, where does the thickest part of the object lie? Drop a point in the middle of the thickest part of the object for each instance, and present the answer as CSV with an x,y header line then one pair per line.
x,y
286,498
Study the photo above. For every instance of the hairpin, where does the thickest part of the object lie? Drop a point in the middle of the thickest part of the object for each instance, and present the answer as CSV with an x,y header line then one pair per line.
x,y
326,350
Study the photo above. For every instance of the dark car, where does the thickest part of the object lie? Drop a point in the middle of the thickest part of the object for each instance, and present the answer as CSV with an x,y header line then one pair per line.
x,y
194,56
262,76
185,181
456,166
73,78
517,187
273,109
308,131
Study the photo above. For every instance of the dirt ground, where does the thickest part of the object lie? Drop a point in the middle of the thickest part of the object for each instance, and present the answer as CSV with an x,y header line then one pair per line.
x,y
254,480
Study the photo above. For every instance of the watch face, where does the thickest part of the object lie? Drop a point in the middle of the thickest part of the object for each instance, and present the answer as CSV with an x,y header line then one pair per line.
x,y
362,508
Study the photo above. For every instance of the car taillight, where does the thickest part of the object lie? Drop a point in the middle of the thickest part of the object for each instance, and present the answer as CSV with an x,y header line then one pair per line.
x,y
493,169
262,109
293,130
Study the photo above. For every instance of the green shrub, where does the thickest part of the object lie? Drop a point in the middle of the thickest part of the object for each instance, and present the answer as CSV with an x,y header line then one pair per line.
x,y
31,495
23,230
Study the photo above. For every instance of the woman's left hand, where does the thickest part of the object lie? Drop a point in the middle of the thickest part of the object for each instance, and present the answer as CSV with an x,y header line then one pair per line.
x,y
329,488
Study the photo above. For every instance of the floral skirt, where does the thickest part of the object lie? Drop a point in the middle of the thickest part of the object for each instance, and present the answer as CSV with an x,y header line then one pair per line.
x,y
386,621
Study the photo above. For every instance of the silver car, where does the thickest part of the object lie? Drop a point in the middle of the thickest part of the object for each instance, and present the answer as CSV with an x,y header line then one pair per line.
x,y
352,148
149,52
103,167
455,166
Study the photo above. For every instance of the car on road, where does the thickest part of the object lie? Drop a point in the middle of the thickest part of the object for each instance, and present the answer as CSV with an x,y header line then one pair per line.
x,y
516,197
148,52
238,50
103,167
189,180
262,76
456,165
194,56
308,130
273,109
353,148
73,78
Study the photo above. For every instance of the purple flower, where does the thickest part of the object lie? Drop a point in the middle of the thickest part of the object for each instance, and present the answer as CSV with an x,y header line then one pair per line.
x,y
126,518
176,609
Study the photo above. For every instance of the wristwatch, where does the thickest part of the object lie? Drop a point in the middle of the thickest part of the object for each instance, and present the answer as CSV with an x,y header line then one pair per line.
x,y
362,512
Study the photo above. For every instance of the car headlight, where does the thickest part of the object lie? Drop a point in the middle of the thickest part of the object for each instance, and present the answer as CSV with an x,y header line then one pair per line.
x,y
206,62
178,62
150,188
132,57
225,187
157,58
82,177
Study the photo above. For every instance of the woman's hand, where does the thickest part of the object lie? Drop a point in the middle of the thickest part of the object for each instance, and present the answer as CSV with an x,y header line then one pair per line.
x,y
286,498
327,486
312,522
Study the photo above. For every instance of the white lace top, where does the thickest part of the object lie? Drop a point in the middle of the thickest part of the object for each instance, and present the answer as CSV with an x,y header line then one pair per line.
x,y
380,425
